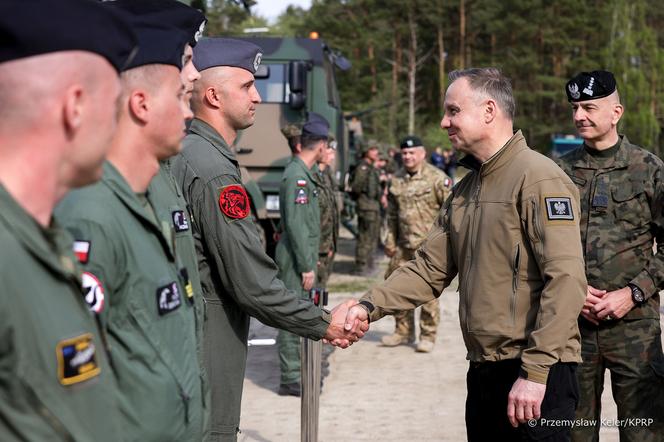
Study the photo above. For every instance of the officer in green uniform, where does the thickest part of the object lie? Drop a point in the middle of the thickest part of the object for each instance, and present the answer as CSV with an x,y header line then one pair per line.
x,y
366,187
297,250
136,280
329,214
56,382
238,278
622,195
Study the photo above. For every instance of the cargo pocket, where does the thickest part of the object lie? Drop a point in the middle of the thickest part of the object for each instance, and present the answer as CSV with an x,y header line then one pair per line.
x,y
629,204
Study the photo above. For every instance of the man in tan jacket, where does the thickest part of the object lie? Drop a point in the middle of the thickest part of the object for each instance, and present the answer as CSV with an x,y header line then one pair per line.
x,y
511,232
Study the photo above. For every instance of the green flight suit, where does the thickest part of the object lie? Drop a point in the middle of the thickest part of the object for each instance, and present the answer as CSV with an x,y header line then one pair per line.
x,y
55,380
148,313
297,250
169,205
237,276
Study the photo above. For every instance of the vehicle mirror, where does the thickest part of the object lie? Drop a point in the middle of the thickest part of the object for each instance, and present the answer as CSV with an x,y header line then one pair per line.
x,y
297,76
296,100
342,63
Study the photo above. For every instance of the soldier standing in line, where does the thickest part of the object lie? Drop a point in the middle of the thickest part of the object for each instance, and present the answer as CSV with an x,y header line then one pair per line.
x,y
59,84
622,199
237,276
416,195
135,278
366,187
297,250
329,213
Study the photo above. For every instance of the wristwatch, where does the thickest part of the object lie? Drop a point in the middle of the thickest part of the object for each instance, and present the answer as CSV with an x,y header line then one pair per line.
x,y
637,294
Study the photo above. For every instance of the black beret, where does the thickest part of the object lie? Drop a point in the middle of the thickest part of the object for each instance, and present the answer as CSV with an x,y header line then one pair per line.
x,y
316,126
170,13
36,27
217,51
157,43
411,141
590,86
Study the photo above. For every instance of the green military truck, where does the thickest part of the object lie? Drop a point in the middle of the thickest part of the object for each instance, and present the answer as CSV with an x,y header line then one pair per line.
x,y
296,75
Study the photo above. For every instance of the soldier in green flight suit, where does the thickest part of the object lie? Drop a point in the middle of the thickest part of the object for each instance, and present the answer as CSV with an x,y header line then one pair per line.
x,y
56,381
142,291
297,250
237,276
366,186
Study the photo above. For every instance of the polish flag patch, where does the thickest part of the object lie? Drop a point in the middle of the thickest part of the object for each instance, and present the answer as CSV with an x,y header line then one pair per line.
x,y
301,183
82,251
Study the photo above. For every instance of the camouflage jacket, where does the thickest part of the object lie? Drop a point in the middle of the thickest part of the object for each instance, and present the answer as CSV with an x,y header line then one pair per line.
x,y
622,197
366,184
329,212
414,203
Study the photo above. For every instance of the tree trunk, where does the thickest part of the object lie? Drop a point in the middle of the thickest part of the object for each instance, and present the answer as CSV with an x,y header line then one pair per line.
x,y
412,70
372,68
462,34
396,50
441,57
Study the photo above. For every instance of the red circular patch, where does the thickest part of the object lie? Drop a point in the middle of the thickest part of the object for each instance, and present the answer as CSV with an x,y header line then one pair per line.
x,y
234,202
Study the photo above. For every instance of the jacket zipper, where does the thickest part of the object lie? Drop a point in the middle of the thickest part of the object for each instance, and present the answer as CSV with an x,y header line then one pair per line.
x,y
515,280
472,247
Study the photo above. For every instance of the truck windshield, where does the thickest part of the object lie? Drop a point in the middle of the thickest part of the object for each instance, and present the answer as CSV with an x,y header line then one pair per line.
x,y
274,89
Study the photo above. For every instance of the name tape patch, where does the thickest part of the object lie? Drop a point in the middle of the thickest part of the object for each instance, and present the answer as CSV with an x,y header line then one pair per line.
x,y
180,222
93,292
77,360
168,298
559,208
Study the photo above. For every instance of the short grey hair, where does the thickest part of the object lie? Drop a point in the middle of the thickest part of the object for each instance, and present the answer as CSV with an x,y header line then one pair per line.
x,y
491,82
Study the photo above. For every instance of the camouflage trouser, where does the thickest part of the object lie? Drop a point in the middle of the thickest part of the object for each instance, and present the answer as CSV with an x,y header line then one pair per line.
x,y
325,264
632,351
429,314
368,230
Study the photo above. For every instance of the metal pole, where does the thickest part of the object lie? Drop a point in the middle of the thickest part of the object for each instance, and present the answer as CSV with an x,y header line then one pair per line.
x,y
311,354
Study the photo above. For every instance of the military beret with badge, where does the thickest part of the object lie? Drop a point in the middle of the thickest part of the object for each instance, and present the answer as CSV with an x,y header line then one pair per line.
x,y
37,27
168,12
590,86
217,51
158,43
411,141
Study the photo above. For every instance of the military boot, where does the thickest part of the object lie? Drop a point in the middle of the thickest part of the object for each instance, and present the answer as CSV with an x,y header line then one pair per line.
x,y
395,339
424,346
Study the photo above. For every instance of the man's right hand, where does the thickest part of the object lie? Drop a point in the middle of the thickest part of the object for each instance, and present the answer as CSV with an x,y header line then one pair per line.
x,y
593,296
308,280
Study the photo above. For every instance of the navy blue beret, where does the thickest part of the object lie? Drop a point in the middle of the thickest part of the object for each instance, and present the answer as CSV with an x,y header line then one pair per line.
x,y
217,51
170,13
36,27
590,86
158,43
411,141
316,126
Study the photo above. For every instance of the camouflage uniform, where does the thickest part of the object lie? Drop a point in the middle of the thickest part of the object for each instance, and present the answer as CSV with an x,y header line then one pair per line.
x,y
622,195
366,184
329,225
414,204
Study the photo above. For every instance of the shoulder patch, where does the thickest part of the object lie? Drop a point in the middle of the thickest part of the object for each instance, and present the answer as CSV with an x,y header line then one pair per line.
x,y
559,208
82,251
234,201
168,298
301,183
93,292
77,359
180,222
301,197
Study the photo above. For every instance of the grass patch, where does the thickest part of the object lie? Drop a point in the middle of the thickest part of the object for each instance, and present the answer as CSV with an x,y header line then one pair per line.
x,y
357,285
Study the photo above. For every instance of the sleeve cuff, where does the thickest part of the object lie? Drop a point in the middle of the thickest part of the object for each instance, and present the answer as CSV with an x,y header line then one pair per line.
x,y
534,373
645,283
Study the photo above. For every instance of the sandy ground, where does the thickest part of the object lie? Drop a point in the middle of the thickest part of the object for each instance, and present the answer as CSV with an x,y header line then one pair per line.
x,y
373,393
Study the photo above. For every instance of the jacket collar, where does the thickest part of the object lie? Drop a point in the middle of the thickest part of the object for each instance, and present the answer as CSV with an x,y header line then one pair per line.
x,y
309,172
204,130
51,246
513,146
580,159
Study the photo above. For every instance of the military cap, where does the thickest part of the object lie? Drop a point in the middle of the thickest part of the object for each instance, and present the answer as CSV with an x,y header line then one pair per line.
x,y
170,13
37,27
158,43
316,126
291,130
590,86
411,141
217,51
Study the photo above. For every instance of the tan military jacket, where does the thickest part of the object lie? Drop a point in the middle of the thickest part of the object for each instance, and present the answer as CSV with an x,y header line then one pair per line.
x,y
511,232
414,204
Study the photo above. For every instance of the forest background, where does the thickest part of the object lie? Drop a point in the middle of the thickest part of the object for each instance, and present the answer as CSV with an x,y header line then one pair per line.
x,y
403,50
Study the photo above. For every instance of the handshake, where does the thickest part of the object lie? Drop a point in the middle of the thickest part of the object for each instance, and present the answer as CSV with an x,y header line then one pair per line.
x,y
350,321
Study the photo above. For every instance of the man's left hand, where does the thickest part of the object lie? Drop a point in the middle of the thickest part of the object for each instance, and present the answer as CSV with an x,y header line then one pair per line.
x,y
524,401
614,305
